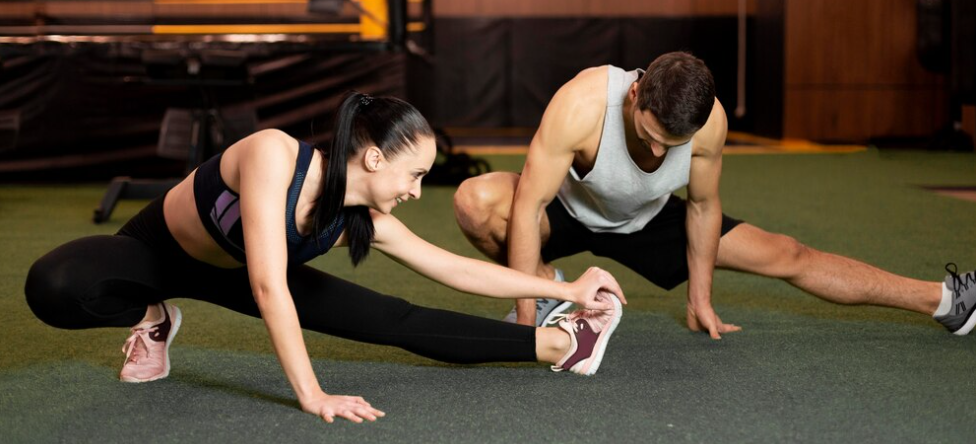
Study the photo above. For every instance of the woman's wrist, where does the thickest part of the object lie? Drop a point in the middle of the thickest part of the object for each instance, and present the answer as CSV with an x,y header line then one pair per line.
x,y
566,292
309,391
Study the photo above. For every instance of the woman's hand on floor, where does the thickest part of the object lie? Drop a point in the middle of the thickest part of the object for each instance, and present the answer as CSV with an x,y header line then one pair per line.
x,y
327,407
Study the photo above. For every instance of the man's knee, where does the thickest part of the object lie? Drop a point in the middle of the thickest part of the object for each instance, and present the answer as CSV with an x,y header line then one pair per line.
x,y
789,256
481,198
792,249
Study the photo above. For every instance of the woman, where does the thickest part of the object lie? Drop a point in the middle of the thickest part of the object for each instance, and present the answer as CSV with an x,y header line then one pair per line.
x,y
191,243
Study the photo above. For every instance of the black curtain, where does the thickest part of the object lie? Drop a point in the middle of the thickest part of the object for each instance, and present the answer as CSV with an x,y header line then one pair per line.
x,y
501,72
99,100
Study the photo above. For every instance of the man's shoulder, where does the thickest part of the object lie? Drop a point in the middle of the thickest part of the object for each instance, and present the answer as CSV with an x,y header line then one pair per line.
x,y
575,114
588,84
583,98
711,138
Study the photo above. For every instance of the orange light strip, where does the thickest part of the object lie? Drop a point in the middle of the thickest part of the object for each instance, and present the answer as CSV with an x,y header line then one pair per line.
x,y
332,28
321,28
228,2
239,2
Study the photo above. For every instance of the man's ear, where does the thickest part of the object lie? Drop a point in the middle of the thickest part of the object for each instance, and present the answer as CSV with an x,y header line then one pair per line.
x,y
373,159
632,92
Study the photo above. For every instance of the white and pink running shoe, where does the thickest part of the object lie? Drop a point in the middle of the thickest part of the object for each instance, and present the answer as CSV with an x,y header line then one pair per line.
x,y
589,331
147,349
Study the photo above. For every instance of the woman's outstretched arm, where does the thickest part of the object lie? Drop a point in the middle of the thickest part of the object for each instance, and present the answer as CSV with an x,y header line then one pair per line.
x,y
266,166
483,278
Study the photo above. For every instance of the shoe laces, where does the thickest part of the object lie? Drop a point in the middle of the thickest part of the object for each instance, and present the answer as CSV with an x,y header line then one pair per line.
x,y
960,283
593,317
129,348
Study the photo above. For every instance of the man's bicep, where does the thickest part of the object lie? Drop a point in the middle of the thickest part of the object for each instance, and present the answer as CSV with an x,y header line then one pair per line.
x,y
542,175
703,182
706,160
553,148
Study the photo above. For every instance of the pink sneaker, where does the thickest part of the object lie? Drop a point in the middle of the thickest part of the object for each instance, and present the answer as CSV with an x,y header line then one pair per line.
x,y
589,331
147,349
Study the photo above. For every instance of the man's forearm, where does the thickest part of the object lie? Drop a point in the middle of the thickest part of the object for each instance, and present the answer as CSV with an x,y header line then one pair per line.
x,y
524,250
524,240
704,227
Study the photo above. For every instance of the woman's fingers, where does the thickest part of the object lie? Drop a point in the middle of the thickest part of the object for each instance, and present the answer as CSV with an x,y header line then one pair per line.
x,y
354,409
607,282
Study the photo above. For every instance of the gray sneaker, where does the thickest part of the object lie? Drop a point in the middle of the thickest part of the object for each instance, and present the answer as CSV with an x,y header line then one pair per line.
x,y
545,309
960,319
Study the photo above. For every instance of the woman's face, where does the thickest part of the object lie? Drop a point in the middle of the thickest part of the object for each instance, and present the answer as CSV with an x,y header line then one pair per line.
x,y
399,178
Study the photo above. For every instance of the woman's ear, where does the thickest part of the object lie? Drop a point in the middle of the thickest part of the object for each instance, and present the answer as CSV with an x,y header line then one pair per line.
x,y
373,159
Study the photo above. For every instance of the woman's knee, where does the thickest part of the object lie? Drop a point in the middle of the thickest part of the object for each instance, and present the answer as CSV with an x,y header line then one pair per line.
x,y
49,292
89,282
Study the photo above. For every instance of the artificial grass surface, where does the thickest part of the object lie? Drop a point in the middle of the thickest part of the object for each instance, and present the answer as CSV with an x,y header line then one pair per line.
x,y
802,370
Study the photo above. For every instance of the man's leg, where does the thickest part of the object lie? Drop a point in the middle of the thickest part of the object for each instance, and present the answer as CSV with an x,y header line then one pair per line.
x,y
828,276
482,206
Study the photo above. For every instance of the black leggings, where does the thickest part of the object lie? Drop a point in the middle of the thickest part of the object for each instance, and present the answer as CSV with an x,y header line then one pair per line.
x,y
108,281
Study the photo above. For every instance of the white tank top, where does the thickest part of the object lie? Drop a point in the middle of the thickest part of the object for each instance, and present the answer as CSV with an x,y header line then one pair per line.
x,y
616,196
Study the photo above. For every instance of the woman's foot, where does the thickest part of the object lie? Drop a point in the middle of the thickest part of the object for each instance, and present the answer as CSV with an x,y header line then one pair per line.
x,y
589,332
147,349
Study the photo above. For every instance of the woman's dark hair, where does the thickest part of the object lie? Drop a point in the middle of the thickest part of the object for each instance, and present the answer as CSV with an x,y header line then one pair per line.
x,y
679,90
361,121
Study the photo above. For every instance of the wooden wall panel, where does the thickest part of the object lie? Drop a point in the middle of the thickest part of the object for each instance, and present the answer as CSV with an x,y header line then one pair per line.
x,y
17,10
721,7
852,73
95,9
846,115
852,42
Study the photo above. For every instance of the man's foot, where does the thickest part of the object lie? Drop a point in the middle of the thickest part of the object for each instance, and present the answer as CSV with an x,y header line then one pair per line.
x,y
545,309
960,320
147,349
589,332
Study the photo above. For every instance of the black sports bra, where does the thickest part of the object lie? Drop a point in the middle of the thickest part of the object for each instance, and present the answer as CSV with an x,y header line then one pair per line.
x,y
219,209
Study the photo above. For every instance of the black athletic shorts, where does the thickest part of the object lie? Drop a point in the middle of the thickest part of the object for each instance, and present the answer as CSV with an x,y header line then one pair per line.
x,y
658,252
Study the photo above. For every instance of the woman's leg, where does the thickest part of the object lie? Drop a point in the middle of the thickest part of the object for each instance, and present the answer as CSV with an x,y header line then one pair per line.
x,y
109,281
330,305
97,281
333,306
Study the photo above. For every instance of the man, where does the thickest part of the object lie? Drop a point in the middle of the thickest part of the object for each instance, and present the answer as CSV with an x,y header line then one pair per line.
x,y
613,146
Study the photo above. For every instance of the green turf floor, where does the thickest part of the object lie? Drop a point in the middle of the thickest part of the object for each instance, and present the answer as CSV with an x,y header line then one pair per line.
x,y
802,370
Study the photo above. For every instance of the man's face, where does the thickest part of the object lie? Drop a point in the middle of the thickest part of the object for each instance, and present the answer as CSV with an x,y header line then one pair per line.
x,y
652,135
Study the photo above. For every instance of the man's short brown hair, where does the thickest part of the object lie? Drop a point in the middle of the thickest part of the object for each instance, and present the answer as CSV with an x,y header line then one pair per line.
x,y
678,89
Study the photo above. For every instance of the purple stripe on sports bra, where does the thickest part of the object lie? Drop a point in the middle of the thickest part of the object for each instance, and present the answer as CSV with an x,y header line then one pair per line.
x,y
230,217
225,199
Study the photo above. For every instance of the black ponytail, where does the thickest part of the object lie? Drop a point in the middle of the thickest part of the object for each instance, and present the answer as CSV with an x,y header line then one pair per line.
x,y
362,120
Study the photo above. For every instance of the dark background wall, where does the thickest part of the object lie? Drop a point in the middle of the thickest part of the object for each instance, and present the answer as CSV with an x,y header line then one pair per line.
x,y
501,72
827,70
497,63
